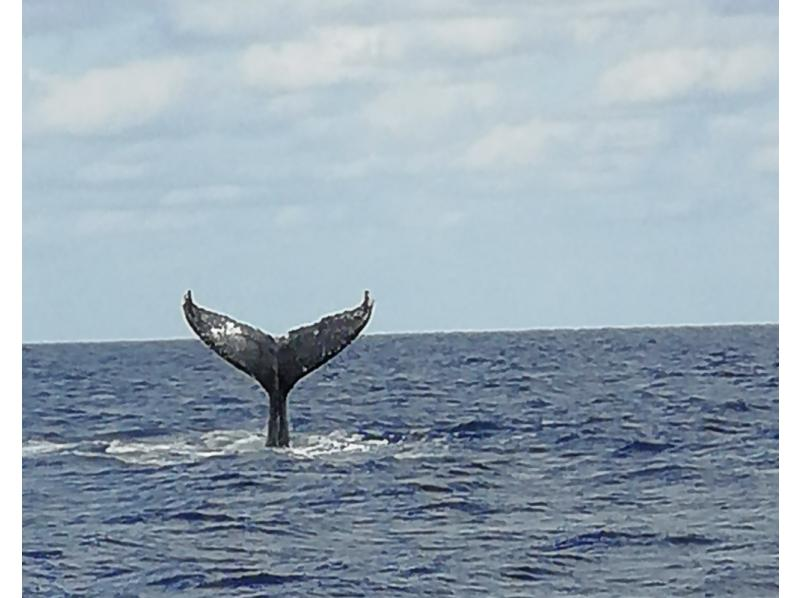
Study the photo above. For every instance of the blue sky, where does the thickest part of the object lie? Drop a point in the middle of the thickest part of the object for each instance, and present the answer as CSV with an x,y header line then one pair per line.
x,y
478,166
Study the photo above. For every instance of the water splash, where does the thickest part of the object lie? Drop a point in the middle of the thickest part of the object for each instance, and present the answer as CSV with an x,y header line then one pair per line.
x,y
158,452
336,443
35,448
166,451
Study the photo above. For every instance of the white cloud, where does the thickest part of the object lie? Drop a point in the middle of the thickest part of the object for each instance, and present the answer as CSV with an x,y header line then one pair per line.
x,y
620,134
744,126
291,105
471,36
744,69
216,18
333,54
98,222
106,100
109,172
252,17
753,131
212,194
281,18
730,124
327,56
408,110
590,29
350,169
423,213
612,142
105,221
674,73
765,159
289,217
451,219
609,153
516,145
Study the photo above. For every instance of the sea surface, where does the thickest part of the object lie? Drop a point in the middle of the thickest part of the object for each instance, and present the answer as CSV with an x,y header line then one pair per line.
x,y
610,462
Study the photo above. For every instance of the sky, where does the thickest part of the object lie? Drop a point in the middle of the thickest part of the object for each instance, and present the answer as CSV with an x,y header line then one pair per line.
x,y
477,166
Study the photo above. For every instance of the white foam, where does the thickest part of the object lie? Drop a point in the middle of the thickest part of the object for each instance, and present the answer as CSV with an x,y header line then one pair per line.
x,y
233,441
160,452
336,443
423,449
33,448
219,443
174,451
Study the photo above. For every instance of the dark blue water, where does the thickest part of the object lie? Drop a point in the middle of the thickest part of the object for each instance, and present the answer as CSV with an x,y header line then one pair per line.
x,y
598,462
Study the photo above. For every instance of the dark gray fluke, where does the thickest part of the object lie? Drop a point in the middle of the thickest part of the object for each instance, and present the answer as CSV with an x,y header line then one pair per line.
x,y
277,363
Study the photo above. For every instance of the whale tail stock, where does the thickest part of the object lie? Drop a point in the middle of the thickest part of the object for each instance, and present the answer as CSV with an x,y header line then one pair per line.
x,y
277,363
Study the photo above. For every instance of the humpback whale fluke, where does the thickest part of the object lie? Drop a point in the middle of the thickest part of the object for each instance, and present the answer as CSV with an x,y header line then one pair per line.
x,y
277,363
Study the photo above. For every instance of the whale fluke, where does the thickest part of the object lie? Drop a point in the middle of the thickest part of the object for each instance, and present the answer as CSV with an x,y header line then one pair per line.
x,y
277,363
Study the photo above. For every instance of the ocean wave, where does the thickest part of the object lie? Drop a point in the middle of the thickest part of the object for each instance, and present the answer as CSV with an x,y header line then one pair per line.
x,y
642,446
36,448
614,538
252,580
406,474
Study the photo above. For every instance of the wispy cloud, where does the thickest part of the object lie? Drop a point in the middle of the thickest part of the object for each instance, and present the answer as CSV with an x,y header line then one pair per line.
x,y
245,18
110,172
106,221
507,146
569,154
765,159
333,54
286,18
423,106
620,134
104,100
468,37
475,128
289,217
754,133
213,194
679,72
327,56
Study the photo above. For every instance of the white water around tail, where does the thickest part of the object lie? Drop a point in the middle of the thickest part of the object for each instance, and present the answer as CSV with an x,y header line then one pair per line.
x,y
160,452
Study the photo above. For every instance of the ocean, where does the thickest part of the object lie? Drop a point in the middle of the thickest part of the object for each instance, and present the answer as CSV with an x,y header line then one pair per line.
x,y
607,462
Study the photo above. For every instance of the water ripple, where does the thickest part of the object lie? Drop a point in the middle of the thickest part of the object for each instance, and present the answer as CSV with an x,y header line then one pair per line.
x,y
558,463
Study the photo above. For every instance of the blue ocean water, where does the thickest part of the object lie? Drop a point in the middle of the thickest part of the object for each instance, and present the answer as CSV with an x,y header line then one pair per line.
x,y
620,462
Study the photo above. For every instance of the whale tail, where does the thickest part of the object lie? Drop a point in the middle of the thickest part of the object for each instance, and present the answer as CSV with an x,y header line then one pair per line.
x,y
277,363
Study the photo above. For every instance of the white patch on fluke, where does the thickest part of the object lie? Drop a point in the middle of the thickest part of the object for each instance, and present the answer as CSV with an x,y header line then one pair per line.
x,y
230,329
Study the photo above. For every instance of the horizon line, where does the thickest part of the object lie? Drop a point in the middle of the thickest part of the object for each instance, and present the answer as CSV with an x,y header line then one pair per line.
x,y
429,332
